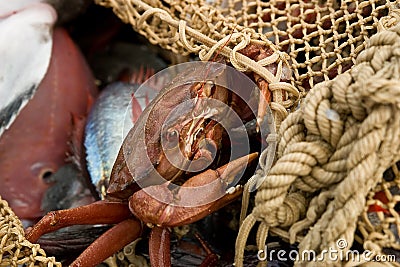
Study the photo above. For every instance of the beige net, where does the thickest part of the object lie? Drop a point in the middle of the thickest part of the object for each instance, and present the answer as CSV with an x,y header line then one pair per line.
x,y
15,250
333,151
379,223
317,39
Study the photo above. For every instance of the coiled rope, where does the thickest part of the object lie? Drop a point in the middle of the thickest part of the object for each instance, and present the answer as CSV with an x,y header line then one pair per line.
x,y
332,153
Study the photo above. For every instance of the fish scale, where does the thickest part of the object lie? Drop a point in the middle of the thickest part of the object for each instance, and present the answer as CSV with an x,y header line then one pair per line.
x,y
108,123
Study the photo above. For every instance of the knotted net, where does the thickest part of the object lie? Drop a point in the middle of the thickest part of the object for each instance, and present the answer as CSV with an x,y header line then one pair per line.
x,y
329,179
333,151
15,250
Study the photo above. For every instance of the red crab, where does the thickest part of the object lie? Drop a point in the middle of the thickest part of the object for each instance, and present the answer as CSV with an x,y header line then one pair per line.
x,y
140,189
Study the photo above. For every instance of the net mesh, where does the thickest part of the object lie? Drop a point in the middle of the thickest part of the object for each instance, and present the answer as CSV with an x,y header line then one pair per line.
x,y
317,39
329,181
379,223
15,250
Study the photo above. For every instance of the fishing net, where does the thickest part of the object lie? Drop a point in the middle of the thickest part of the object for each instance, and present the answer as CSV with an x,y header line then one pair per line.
x,y
378,224
329,179
15,250
316,40
333,151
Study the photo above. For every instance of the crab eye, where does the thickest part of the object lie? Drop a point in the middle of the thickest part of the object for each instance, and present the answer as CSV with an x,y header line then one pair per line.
x,y
207,88
172,136
171,139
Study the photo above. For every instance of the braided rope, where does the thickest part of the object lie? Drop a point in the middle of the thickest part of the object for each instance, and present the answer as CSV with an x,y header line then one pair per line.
x,y
341,141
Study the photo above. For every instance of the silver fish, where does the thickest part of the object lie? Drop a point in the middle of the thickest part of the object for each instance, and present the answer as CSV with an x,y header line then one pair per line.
x,y
112,116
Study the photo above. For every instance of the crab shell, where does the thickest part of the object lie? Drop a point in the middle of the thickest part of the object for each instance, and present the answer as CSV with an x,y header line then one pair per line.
x,y
141,161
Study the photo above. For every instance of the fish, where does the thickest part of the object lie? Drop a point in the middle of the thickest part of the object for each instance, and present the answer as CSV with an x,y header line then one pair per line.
x,y
36,144
113,114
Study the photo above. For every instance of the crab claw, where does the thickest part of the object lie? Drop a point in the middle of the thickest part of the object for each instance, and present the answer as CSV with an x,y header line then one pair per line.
x,y
194,200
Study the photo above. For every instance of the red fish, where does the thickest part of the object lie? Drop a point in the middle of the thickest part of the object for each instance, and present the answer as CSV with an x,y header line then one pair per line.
x,y
37,143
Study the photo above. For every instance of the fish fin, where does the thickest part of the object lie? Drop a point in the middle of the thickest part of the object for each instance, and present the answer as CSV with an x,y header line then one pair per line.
x,y
76,150
136,109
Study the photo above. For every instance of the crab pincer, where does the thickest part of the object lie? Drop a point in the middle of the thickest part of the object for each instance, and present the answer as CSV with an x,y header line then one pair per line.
x,y
189,203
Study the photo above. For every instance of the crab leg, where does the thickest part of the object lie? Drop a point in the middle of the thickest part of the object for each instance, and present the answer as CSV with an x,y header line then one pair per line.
x,y
100,212
211,259
109,243
264,101
159,247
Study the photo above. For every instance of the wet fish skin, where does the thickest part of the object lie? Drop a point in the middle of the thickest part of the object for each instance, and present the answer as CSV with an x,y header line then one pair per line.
x,y
108,123
25,50
37,143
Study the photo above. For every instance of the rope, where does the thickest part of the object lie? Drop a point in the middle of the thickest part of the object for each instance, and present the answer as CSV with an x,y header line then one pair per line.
x,y
340,142
314,41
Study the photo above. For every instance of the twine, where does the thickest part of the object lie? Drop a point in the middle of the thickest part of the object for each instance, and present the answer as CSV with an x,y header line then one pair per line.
x,y
315,41
340,142
15,250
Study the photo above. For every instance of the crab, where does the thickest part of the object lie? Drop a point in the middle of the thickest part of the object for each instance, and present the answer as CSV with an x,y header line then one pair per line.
x,y
149,184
